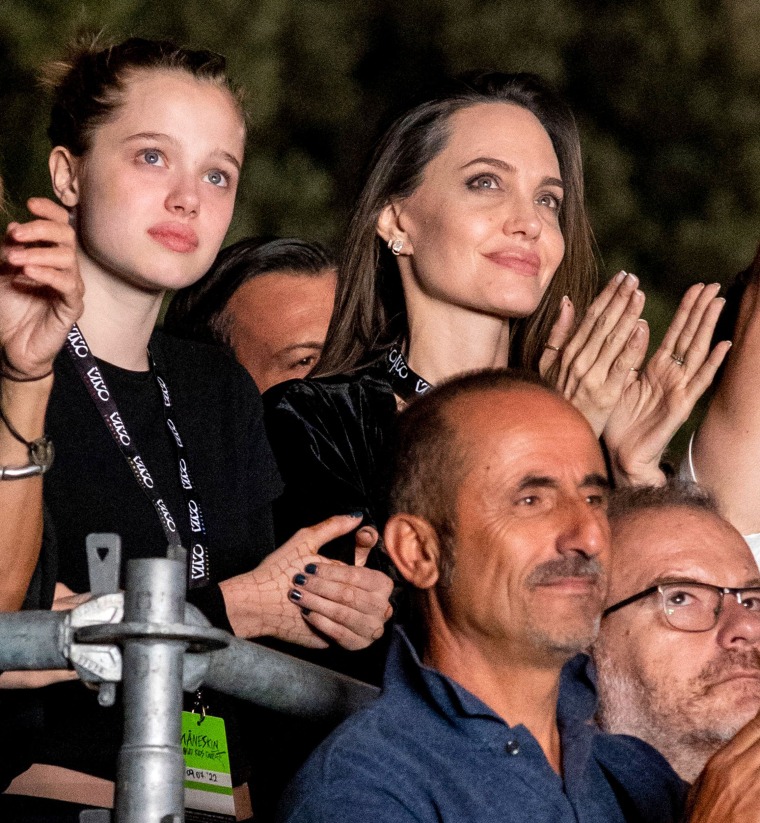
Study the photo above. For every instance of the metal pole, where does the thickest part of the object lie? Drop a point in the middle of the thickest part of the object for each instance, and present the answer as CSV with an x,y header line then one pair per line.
x,y
278,681
150,768
33,640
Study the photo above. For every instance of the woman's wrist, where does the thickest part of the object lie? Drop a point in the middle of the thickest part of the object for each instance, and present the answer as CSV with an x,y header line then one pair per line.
x,y
245,605
24,406
631,475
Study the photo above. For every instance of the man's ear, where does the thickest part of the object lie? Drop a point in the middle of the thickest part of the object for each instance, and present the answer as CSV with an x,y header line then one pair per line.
x,y
414,549
64,174
389,228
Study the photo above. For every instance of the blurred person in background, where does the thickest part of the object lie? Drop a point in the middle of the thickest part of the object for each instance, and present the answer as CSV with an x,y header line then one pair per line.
x,y
268,301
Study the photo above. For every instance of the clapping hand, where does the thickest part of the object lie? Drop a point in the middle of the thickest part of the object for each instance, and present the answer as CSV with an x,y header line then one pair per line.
x,y
653,407
592,365
40,290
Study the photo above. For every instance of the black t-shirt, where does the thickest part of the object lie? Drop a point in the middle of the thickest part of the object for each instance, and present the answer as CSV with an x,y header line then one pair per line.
x,y
90,488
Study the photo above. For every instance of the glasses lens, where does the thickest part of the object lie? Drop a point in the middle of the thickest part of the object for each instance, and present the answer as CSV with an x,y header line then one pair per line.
x,y
689,607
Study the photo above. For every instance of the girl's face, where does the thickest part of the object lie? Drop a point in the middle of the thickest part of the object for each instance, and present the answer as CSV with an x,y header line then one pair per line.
x,y
154,193
482,229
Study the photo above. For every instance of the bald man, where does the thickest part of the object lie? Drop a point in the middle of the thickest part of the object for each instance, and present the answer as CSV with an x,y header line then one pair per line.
x,y
678,653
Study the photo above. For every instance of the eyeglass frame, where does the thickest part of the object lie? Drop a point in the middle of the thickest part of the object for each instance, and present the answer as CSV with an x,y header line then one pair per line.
x,y
721,590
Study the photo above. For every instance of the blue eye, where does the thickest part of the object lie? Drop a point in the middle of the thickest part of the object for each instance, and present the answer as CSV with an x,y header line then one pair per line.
x,y
152,157
217,178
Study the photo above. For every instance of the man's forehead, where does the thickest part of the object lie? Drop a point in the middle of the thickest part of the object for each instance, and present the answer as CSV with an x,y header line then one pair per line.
x,y
677,543
527,432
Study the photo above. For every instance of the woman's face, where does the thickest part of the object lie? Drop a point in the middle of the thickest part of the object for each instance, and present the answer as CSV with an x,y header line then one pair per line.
x,y
155,191
482,229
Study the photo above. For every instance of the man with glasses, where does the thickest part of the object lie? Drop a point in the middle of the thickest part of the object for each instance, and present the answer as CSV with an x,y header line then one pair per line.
x,y
678,653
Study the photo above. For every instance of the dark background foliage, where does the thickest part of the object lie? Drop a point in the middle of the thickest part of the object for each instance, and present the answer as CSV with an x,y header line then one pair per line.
x,y
666,92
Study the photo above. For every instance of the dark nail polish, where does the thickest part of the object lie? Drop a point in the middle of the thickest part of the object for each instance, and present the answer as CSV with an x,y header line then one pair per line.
x,y
294,594
356,514
305,612
311,568
300,579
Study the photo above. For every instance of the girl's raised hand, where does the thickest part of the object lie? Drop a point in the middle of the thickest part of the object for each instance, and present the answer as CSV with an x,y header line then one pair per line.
x,y
592,366
40,289
654,407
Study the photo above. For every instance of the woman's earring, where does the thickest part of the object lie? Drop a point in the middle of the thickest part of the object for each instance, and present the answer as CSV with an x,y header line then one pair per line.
x,y
395,246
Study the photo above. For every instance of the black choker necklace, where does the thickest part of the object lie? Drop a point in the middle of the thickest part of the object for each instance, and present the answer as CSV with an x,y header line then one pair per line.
x,y
405,382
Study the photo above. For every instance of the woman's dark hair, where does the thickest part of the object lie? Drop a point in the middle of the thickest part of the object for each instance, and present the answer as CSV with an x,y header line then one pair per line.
x,y
88,84
369,311
197,312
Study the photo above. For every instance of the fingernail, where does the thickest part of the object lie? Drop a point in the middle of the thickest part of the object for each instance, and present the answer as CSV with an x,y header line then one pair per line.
x,y
300,579
310,568
565,299
295,595
305,612
620,276
639,293
633,277
356,514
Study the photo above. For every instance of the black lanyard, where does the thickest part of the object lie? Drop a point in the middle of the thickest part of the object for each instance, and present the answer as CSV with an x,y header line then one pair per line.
x,y
87,368
405,382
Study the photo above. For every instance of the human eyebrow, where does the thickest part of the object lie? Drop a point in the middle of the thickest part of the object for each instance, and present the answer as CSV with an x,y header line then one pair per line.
x,y
509,168
230,158
534,481
314,345
150,135
595,479
675,580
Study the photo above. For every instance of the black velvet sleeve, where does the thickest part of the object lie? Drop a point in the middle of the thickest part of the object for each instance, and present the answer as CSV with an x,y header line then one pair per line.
x,y
332,439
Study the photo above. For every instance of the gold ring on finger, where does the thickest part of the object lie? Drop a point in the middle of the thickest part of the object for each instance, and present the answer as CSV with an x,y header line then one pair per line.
x,y
550,347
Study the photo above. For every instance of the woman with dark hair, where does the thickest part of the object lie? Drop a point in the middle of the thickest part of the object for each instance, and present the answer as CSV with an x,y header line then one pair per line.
x,y
470,248
157,439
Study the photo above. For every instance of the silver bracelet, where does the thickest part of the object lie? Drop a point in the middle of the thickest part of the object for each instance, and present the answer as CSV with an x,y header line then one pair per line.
x,y
41,454
22,472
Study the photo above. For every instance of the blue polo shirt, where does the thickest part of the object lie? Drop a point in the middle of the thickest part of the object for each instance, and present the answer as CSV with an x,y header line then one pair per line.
x,y
429,750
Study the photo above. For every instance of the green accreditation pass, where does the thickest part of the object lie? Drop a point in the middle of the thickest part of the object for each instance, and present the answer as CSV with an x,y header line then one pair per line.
x,y
208,781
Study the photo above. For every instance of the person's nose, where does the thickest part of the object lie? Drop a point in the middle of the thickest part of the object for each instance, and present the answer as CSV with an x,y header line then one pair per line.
x,y
584,529
183,198
522,216
737,625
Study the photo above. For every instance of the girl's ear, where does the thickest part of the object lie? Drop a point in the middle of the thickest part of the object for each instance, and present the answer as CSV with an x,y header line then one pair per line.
x,y
413,546
64,174
389,228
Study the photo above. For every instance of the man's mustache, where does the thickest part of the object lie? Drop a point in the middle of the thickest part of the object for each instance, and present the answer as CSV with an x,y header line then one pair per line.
x,y
572,565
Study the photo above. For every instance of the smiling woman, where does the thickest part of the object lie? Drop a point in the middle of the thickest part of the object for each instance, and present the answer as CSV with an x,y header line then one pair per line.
x,y
469,230
470,248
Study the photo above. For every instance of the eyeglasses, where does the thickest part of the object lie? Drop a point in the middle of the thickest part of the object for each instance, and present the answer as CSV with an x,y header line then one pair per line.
x,y
694,607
